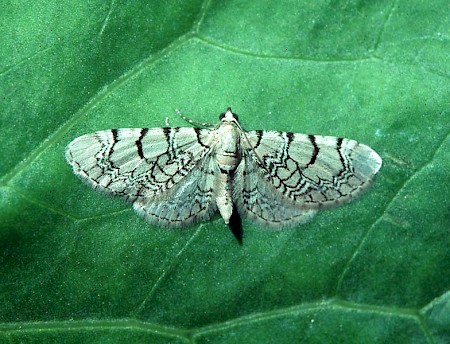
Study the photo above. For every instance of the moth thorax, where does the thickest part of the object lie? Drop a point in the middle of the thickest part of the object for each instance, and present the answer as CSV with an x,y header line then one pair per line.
x,y
228,152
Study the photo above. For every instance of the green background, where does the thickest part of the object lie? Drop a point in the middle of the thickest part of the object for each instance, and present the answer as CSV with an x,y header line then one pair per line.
x,y
76,266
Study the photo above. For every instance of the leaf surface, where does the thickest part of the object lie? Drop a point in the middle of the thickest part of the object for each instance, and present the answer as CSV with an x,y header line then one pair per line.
x,y
77,266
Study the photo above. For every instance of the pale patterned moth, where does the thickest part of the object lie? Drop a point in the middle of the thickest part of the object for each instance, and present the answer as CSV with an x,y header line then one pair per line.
x,y
178,176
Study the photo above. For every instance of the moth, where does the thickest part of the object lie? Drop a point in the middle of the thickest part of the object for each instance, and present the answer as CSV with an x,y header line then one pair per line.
x,y
176,177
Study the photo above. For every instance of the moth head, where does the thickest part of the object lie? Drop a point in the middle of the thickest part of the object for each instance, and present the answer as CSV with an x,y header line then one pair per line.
x,y
228,116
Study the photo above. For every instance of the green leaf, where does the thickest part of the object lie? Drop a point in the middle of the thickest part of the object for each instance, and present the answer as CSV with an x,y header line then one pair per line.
x,y
77,266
